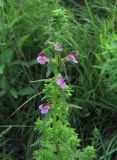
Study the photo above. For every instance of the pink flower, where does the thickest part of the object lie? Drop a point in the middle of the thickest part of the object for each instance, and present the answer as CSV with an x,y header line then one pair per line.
x,y
44,108
70,57
42,58
61,82
57,47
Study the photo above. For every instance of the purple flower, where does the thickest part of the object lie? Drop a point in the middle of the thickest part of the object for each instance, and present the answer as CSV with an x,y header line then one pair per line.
x,y
44,108
61,82
42,58
57,47
70,57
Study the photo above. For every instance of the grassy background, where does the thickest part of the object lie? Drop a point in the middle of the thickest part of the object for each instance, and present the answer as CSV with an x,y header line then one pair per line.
x,y
23,31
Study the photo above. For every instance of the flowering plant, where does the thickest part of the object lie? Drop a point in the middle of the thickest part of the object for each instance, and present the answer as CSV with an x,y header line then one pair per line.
x,y
57,140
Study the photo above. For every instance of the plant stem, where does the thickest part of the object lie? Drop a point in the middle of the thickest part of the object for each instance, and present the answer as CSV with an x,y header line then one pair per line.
x,y
55,103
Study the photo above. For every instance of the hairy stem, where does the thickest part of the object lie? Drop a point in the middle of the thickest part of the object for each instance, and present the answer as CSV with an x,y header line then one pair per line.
x,y
55,103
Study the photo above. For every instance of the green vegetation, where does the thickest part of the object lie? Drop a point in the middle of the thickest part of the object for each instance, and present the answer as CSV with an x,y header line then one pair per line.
x,y
24,30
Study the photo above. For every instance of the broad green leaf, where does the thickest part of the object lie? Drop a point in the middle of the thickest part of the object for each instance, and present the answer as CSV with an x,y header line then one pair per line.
x,y
13,92
6,56
26,91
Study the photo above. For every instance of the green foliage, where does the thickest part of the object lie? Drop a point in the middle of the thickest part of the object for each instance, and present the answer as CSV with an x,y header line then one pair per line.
x,y
20,23
88,153
59,19
96,137
109,56
93,27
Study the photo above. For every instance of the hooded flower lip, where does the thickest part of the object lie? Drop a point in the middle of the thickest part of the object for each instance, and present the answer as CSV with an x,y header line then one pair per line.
x,y
74,52
58,47
42,58
44,108
61,82
70,57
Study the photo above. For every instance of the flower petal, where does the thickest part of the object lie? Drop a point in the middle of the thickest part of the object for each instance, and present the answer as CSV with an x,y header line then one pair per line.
x,y
41,106
74,52
44,111
44,108
70,58
42,59
57,47
61,83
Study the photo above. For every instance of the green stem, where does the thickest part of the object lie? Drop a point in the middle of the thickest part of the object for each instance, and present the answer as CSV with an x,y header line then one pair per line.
x,y
55,103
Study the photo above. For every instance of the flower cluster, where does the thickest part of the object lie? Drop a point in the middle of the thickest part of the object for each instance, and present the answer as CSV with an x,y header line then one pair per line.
x,y
43,59
60,82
